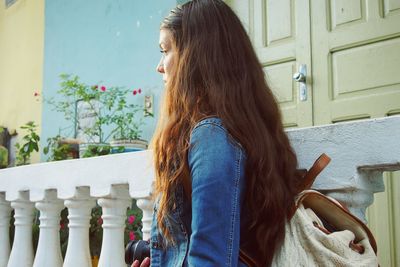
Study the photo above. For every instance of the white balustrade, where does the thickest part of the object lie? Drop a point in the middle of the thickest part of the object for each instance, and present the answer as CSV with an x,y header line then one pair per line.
x,y
360,152
146,205
114,217
48,252
79,214
22,249
5,215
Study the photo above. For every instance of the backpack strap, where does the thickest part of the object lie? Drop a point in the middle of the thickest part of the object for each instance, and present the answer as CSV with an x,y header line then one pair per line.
x,y
246,259
309,177
187,187
316,169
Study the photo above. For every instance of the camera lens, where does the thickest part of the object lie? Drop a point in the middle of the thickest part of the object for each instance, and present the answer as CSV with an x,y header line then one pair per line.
x,y
136,250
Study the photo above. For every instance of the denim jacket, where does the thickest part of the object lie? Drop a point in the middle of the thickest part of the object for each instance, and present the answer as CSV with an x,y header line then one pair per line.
x,y
207,229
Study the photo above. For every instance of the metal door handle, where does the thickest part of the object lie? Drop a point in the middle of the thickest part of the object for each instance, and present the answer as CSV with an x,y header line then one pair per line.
x,y
301,78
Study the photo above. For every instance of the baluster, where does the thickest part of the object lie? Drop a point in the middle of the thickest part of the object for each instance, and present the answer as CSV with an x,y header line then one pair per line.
x,y
22,249
114,216
5,215
79,214
49,252
146,205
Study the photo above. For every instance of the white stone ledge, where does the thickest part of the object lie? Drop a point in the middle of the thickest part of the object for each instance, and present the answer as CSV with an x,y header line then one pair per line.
x,y
98,174
355,147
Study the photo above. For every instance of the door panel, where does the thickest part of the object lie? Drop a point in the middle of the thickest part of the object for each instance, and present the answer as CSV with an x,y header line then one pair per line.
x,y
356,59
280,32
383,219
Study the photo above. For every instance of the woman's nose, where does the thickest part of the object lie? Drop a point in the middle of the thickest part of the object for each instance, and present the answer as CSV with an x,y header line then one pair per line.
x,y
160,66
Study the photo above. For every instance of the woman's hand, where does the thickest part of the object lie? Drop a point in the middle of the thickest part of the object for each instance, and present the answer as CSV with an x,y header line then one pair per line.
x,y
145,263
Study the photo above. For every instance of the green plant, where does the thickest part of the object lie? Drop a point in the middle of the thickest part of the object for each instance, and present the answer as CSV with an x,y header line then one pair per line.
x,y
30,144
59,149
3,157
96,150
96,231
64,231
133,224
108,106
3,151
126,127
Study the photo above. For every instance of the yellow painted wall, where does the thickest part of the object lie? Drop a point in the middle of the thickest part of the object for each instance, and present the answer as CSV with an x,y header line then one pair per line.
x,y
21,63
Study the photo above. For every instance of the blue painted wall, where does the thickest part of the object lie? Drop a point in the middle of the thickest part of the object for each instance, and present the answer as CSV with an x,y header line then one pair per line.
x,y
110,41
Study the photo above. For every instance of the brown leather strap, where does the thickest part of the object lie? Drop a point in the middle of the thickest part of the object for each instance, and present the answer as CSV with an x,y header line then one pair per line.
x,y
316,169
246,259
309,177
187,187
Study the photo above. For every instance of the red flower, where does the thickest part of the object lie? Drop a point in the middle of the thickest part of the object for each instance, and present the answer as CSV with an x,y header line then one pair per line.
x,y
94,87
132,235
103,88
131,219
100,221
134,92
62,225
139,90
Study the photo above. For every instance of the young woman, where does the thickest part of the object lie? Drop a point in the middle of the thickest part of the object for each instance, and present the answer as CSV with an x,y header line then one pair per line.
x,y
226,174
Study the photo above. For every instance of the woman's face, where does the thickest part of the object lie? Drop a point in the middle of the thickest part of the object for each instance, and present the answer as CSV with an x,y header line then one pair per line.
x,y
168,51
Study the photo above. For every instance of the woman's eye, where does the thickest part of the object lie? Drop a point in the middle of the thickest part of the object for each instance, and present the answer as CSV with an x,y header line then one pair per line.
x,y
163,51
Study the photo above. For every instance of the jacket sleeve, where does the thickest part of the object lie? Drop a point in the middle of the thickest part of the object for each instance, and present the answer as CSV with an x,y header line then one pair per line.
x,y
216,168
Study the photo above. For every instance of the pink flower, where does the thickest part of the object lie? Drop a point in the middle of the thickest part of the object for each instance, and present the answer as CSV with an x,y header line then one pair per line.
x,y
132,235
139,90
131,219
103,88
134,92
100,221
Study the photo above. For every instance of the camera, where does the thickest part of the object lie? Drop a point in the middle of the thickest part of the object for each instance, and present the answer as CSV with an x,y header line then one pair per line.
x,y
136,250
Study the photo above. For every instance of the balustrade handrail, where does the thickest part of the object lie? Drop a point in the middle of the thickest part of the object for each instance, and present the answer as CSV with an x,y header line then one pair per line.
x,y
97,173
367,145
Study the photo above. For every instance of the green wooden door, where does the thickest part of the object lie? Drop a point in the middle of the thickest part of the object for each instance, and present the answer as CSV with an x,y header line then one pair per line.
x,y
355,58
280,32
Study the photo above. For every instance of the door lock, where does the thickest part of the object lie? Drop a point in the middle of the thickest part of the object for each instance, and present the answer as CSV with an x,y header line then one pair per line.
x,y
301,78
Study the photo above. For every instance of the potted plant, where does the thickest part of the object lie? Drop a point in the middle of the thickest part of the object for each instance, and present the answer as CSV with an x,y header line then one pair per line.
x,y
127,131
81,105
60,148
99,113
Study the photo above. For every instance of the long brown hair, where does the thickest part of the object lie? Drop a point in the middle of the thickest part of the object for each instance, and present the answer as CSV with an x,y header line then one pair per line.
x,y
217,73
